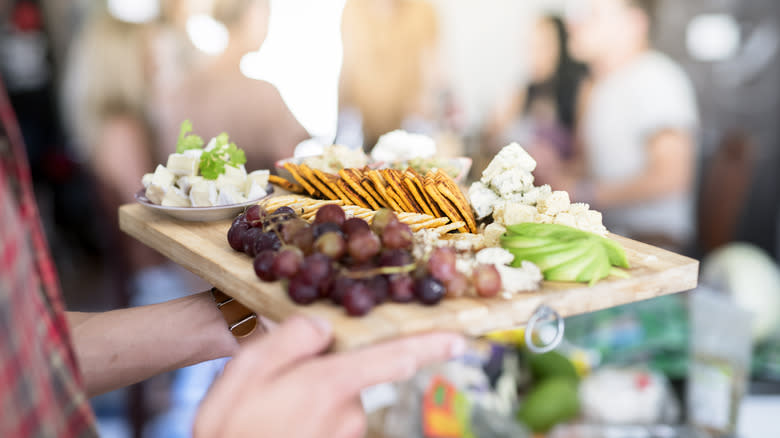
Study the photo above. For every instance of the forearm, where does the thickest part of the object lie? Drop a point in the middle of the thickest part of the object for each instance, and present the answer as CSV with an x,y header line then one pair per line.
x,y
122,347
646,187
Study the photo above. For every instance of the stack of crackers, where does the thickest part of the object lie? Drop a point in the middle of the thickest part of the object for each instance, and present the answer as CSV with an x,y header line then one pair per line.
x,y
435,194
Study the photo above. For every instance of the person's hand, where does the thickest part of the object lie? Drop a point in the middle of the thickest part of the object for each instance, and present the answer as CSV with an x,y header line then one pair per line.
x,y
278,386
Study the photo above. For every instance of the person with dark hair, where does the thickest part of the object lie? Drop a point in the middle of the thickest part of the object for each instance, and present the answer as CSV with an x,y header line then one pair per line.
x,y
542,113
636,148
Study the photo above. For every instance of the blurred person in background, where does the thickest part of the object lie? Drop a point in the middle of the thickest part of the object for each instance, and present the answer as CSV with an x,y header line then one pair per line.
x,y
637,147
390,77
543,112
217,97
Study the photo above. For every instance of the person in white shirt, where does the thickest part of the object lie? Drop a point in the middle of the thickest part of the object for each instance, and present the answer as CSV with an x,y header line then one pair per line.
x,y
637,145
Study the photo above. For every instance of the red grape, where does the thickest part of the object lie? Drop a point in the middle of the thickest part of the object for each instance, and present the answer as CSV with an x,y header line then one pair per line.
x,y
441,264
379,287
382,219
325,227
315,269
330,213
338,286
354,225
331,244
283,211
288,262
303,239
362,246
487,280
255,215
248,238
397,235
457,286
302,292
357,300
236,233
395,257
263,265
428,290
266,241
291,228
401,288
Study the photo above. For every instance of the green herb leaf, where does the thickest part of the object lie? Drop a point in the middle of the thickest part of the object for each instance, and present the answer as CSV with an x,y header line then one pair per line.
x,y
225,153
187,141
211,165
237,156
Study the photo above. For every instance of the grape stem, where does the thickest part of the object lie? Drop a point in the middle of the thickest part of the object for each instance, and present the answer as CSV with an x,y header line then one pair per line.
x,y
387,270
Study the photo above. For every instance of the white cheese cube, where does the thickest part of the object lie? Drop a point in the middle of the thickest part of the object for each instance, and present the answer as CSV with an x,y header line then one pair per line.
x,y
176,198
578,207
567,219
229,196
542,218
155,193
163,177
185,183
211,144
483,199
203,193
512,156
147,179
515,213
495,256
181,165
193,153
535,194
558,202
255,192
234,177
512,181
493,233
258,176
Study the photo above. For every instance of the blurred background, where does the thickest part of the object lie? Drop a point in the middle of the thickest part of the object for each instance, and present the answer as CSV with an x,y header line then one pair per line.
x,y
100,87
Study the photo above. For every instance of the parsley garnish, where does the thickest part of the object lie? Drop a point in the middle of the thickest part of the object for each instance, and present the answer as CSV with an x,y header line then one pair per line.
x,y
225,153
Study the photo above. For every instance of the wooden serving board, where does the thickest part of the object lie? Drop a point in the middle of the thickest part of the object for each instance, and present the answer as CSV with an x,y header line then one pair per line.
x,y
203,249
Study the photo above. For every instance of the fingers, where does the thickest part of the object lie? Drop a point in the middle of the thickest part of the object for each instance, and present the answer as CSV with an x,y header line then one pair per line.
x,y
352,423
392,361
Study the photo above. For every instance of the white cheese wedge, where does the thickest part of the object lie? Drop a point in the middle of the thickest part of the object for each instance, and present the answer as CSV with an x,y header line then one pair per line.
x,y
255,192
516,213
556,203
155,192
229,196
234,177
146,180
483,199
181,165
185,183
258,176
203,193
162,177
493,233
193,153
176,198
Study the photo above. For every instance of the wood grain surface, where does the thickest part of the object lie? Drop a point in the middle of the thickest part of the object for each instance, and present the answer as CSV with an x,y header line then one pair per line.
x,y
203,249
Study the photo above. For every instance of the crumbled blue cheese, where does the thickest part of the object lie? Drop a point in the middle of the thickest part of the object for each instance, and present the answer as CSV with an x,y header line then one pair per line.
x,y
510,181
567,219
556,203
511,213
510,157
513,280
495,256
483,199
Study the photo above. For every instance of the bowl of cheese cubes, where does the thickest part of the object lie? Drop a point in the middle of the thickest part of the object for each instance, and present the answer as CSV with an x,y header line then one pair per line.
x,y
203,183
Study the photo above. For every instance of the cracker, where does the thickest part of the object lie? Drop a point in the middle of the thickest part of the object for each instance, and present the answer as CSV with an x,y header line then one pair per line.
x,y
380,185
464,208
353,178
308,173
285,184
449,210
293,169
401,196
412,188
419,181
366,183
351,194
444,229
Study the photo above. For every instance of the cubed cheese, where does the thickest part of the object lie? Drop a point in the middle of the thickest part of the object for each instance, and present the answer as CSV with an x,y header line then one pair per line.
x,y
229,196
495,256
493,233
578,207
515,213
511,181
542,218
255,192
483,199
175,198
535,194
193,153
155,193
211,145
203,193
185,183
146,180
567,219
258,176
163,177
512,156
558,202
234,177
181,165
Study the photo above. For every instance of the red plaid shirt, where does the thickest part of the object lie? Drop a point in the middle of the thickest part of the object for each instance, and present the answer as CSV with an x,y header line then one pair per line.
x,y
41,392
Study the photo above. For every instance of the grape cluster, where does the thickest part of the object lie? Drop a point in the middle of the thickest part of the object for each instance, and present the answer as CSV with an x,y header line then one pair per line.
x,y
354,264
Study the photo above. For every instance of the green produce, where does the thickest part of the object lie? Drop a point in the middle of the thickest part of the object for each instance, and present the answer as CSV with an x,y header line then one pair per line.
x,y
564,253
551,402
551,365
